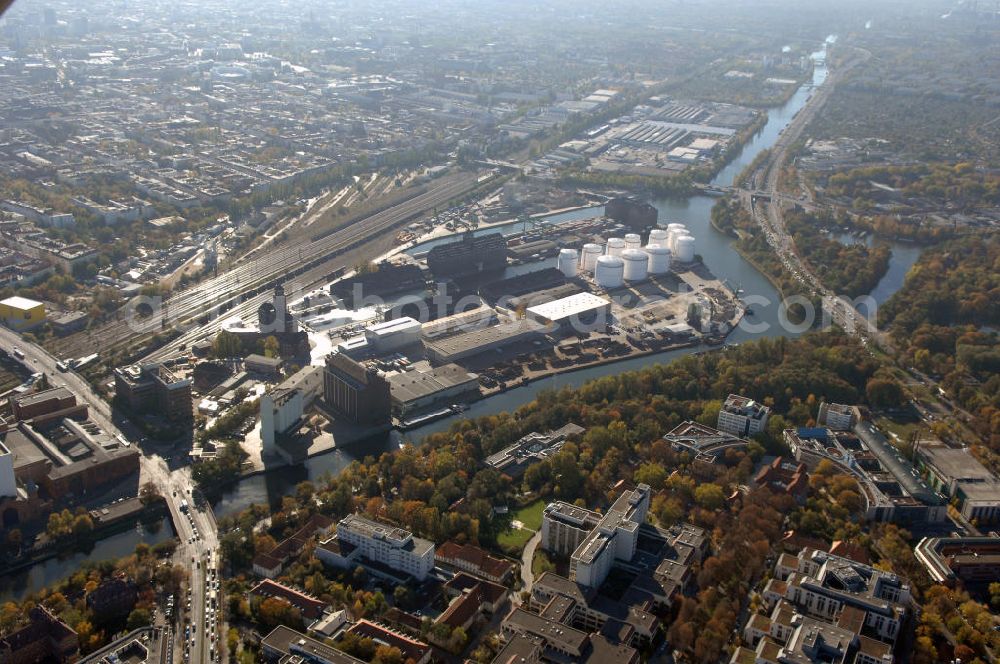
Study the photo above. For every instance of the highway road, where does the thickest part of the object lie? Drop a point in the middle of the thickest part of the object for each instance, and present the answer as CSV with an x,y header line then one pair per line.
x,y
768,214
196,529
222,294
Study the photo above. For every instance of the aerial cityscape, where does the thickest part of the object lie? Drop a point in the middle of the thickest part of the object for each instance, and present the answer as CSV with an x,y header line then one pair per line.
x,y
500,332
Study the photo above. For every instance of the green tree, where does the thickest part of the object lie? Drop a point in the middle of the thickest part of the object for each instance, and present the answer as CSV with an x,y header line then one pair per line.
x,y
227,344
138,618
272,348
709,496
884,393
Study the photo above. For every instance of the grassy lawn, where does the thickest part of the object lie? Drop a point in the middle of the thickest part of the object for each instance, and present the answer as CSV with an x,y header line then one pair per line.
x,y
531,515
541,563
901,429
513,540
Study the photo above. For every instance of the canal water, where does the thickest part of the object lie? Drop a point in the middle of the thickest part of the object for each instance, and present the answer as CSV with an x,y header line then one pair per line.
x,y
904,255
716,251
118,545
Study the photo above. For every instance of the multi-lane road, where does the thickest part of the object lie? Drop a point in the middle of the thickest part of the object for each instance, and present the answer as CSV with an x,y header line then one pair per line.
x,y
195,526
769,213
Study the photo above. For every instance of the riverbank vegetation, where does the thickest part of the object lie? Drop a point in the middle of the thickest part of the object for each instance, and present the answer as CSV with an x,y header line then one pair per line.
x,y
945,320
441,490
148,568
960,185
670,186
850,269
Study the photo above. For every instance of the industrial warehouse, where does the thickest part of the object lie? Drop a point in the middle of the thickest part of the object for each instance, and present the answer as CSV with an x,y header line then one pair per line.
x,y
432,327
548,299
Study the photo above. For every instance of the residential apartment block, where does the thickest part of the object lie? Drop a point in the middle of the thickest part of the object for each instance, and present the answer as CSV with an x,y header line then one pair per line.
x,y
742,416
385,551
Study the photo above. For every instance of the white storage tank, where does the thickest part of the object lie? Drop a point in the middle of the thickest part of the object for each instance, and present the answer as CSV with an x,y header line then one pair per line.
x,y
568,262
684,249
616,246
659,236
610,271
673,234
635,264
633,241
659,259
591,252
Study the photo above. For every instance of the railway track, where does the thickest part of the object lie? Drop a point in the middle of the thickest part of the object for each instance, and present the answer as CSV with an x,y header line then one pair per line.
x,y
240,290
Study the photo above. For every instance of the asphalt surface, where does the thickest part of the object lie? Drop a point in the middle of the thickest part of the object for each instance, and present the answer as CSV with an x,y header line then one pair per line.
x,y
174,486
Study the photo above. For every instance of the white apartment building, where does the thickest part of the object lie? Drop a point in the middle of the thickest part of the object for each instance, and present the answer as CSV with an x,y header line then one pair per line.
x,y
383,550
823,586
564,526
742,416
594,541
835,416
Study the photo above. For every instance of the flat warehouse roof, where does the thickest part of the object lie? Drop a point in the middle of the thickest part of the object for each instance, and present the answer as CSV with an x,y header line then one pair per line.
x,y
417,384
574,305
956,464
19,302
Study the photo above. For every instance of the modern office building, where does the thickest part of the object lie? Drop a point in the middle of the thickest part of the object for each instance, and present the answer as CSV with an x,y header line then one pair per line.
x,y
823,586
971,560
385,551
890,488
960,476
594,541
531,448
837,417
153,388
358,394
742,416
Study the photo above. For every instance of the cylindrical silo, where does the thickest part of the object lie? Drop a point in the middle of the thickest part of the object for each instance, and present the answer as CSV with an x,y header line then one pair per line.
x,y
635,264
610,271
568,262
633,241
673,234
659,236
684,249
616,246
659,259
591,252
